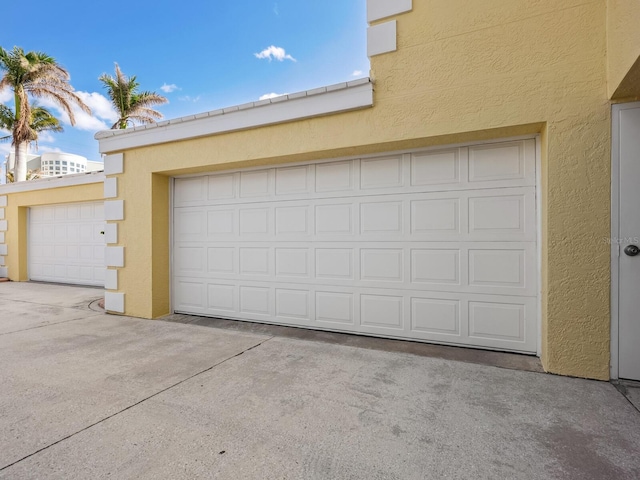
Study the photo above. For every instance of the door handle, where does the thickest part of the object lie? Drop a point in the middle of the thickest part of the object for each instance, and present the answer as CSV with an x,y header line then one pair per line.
x,y
632,250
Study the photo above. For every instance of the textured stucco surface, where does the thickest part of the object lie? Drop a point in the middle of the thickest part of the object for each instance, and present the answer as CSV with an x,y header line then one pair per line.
x,y
463,71
623,48
16,214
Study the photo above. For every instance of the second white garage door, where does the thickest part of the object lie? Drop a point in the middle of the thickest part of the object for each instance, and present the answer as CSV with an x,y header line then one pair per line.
x,y
66,244
433,245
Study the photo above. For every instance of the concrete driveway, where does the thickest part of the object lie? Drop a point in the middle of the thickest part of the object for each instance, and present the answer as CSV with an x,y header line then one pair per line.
x,y
85,395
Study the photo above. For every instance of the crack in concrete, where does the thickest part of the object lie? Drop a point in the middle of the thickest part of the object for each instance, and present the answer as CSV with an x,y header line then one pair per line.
x,y
50,324
135,404
75,307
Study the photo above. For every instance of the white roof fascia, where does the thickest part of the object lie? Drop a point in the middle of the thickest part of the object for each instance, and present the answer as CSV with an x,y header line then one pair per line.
x,y
345,97
46,183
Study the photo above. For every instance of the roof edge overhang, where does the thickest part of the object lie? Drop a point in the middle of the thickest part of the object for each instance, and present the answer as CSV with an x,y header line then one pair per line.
x,y
333,99
46,183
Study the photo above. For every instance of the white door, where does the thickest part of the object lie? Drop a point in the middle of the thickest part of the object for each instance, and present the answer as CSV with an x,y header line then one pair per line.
x,y
628,237
435,245
66,244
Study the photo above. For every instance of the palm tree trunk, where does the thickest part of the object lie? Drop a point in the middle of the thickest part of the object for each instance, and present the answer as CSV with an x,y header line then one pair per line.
x,y
20,169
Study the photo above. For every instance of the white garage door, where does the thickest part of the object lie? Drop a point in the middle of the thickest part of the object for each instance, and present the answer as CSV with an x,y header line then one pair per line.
x,y
66,244
435,245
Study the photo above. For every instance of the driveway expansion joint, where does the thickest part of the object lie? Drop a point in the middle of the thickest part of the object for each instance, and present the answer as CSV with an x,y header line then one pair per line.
x,y
623,387
134,404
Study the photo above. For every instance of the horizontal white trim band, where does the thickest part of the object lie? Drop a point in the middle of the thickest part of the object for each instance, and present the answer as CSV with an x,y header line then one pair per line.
x,y
314,103
48,183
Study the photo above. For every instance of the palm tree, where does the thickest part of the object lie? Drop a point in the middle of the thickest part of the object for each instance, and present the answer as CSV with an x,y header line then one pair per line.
x,y
131,105
31,175
41,120
38,75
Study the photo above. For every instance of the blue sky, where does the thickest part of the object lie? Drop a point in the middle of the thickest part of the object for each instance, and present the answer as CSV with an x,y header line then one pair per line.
x,y
201,54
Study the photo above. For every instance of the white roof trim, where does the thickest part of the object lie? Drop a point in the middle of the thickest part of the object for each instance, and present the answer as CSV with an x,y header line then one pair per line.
x,y
342,97
46,183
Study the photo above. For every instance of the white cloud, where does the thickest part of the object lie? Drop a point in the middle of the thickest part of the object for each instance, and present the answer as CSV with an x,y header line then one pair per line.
x,y
46,137
45,149
267,96
100,105
275,52
356,73
275,9
188,98
104,114
5,95
169,88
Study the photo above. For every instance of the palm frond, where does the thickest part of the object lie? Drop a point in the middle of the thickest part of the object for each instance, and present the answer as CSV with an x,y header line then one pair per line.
x,y
132,106
38,75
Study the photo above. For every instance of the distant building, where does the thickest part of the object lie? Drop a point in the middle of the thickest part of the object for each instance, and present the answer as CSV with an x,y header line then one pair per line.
x,y
52,164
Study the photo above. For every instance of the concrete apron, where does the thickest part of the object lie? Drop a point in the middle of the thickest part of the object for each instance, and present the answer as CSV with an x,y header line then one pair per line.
x,y
87,395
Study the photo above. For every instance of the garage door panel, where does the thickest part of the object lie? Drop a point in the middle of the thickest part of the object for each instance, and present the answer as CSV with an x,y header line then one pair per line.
x,y
502,322
382,312
293,304
66,244
334,219
220,223
499,215
256,300
222,297
334,177
256,261
382,265
256,184
335,308
73,252
190,260
191,295
496,268
497,162
292,220
255,222
189,190
293,180
334,263
190,224
382,218
293,262
497,321
60,212
73,212
98,253
382,173
436,266
435,316
435,168
436,245
47,232
99,273
221,187
222,260
498,165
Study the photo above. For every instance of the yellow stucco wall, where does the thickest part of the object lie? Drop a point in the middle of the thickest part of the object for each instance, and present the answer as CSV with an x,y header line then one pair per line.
x,y
463,71
623,48
18,204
